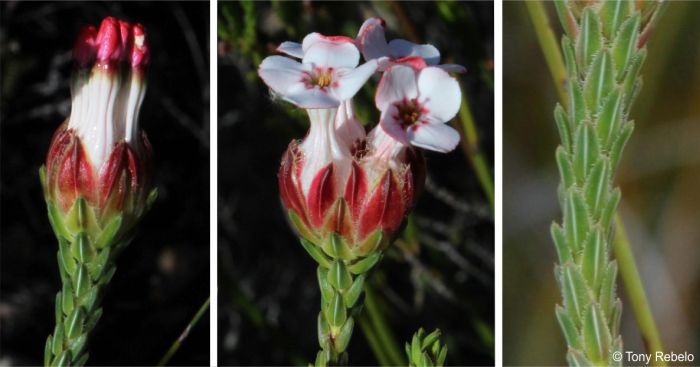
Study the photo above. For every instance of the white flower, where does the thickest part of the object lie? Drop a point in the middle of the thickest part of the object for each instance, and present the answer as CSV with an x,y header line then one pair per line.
x,y
416,104
373,45
326,76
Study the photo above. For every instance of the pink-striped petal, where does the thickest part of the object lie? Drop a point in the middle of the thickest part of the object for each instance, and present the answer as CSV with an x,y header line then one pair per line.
x,y
331,54
397,83
346,82
371,39
292,49
402,48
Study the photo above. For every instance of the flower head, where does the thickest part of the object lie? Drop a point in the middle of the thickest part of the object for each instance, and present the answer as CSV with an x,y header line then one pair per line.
x,y
416,104
100,154
372,43
326,76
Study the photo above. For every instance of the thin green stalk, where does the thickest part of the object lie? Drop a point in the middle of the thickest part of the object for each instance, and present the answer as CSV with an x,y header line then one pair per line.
x,y
623,253
178,342
373,340
382,329
550,46
635,291
470,145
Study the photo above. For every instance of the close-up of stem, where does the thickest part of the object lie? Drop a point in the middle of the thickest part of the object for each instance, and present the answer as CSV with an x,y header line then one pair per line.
x,y
603,50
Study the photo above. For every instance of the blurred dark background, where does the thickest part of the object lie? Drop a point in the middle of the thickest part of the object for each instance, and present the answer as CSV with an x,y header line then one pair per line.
x,y
163,277
439,277
659,176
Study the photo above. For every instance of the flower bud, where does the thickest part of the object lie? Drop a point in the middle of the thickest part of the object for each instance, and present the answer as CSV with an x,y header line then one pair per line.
x,y
99,153
359,192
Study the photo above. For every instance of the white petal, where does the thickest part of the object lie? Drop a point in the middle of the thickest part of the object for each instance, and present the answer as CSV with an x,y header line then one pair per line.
x,y
403,48
440,138
398,82
292,49
392,126
283,75
332,54
312,98
372,40
348,81
314,37
452,68
439,93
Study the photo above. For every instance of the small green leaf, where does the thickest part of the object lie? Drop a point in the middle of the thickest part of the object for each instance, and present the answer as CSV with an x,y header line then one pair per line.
x,y
315,252
609,210
66,259
56,221
565,170
619,143
600,81
337,314
576,221
109,233
631,83
577,105
324,331
47,350
569,58
594,255
442,356
597,187
574,291
100,264
74,323
336,247
343,338
326,289
596,335
416,352
80,248
425,360
563,124
58,308
589,39
612,13
81,282
560,243
93,318
107,276
67,302
62,359
57,346
76,347
302,229
609,119
567,326
89,300
431,338
338,275
616,316
370,244
607,289
80,361
625,45
364,265
353,293
586,151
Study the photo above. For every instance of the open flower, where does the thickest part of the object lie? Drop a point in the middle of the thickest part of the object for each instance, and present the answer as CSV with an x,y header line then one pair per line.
x,y
416,104
372,43
100,154
327,74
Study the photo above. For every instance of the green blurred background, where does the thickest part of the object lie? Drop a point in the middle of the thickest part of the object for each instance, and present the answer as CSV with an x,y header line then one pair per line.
x,y
438,276
659,177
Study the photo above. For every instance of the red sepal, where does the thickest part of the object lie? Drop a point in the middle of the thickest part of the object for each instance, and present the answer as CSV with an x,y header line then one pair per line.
x,y
321,195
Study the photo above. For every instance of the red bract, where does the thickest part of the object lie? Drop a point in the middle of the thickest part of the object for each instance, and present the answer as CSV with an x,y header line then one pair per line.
x,y
374,197
120,184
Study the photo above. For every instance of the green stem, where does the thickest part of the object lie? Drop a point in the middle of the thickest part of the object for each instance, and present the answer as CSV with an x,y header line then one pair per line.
x,y
550,46
470,145
373,340
384,333
635,290
621,247
176,344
